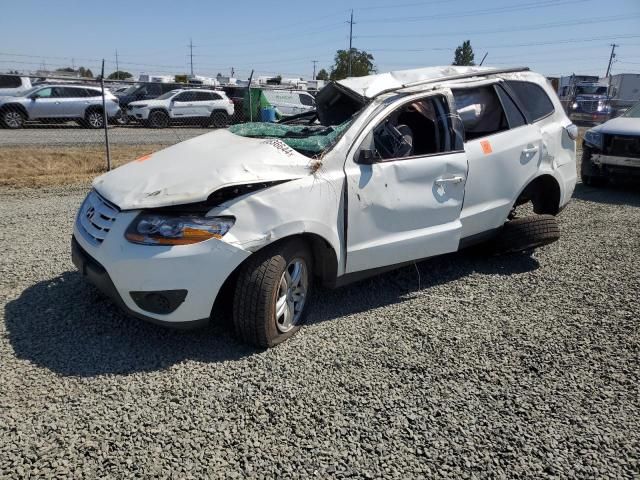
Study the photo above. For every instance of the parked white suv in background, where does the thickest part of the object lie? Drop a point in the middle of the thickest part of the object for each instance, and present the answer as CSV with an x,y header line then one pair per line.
x,y
399,167
13,84
204,107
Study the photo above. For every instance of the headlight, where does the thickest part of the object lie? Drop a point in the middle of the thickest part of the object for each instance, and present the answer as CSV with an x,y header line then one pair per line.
x,y
593,138
574,105
152,229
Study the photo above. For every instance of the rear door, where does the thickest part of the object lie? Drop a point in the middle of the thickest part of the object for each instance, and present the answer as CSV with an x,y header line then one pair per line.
x,y
73,102
504,154
203,104
406,181
182,105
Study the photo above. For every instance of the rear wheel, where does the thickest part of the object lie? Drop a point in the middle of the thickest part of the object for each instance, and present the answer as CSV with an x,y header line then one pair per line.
x,y
220,119
13,118
527,233
93,119
158,119
271,294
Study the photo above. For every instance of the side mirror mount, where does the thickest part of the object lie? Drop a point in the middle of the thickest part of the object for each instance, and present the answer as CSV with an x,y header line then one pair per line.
x,y
366,157
33,97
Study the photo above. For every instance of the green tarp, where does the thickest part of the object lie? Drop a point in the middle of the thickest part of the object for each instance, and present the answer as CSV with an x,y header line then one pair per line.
x,y
311,139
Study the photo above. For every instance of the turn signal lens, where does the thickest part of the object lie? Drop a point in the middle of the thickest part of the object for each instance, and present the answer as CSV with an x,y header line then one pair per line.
x,y
151,229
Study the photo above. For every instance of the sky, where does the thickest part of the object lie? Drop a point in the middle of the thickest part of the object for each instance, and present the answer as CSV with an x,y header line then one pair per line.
x,y
553,37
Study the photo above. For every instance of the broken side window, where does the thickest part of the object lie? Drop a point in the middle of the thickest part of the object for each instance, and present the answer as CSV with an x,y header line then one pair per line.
x,y
481,111
420,128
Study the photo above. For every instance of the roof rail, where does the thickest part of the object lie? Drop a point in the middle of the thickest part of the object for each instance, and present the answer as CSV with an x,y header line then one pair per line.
x,y
453,77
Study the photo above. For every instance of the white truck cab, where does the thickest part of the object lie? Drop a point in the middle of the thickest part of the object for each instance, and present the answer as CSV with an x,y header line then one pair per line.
x,y
391,168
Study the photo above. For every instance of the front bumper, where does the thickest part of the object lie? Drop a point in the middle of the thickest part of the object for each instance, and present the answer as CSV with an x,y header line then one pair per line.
x,y
98,276
128,272
138,113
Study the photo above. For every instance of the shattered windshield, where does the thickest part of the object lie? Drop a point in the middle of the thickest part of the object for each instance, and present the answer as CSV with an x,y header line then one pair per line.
x,y
308,140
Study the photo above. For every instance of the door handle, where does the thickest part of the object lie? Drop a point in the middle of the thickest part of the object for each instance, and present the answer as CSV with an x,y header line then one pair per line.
x,y
530,150
454,180
57,103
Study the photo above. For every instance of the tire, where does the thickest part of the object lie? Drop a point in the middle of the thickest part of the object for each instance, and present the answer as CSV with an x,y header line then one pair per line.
x,y
527,233
266,281
587,171
220,119
158,119
93,119
13,118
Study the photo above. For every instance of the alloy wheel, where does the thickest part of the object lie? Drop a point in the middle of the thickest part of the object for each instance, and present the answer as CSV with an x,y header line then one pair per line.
x,y
292,294
13,119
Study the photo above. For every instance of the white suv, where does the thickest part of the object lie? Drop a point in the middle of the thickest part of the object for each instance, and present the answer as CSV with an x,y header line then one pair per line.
x,y
204,107
398,167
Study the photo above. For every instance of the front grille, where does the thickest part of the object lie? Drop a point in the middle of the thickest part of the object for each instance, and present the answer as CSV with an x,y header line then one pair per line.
x,y
96,217
622,146
588,106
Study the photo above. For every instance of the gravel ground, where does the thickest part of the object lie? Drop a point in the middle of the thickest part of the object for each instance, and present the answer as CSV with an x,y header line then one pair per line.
x,y
479,367
72,134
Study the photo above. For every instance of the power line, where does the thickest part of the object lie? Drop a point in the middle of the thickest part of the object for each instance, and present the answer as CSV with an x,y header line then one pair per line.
x,y
516,29
475,13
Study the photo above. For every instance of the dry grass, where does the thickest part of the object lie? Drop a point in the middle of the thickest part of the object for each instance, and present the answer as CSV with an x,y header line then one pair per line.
x,y
48,166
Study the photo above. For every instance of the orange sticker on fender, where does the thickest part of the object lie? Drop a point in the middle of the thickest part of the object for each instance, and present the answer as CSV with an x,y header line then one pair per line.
x,y
486,147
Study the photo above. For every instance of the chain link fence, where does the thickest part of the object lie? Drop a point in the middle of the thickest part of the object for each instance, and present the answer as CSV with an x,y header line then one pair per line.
x,y
65,127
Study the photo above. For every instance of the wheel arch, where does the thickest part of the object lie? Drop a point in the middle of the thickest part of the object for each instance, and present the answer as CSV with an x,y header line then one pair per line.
x,y
15,106
544,192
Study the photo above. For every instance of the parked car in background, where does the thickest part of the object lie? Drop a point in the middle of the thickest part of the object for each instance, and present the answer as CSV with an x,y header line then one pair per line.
x,y
58,103
143,91
286,103
396,167
197,106
612,149
13,85
290,102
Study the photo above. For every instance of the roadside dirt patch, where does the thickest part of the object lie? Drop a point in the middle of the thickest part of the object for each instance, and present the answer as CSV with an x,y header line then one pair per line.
x,y
47,166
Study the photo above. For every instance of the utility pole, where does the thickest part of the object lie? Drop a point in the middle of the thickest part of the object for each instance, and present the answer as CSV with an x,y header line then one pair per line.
x,y
117,66
191,54
613,55
350,41
314,69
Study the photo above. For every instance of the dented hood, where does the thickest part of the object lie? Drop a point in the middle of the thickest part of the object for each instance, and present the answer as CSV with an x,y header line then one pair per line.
x,y
190,171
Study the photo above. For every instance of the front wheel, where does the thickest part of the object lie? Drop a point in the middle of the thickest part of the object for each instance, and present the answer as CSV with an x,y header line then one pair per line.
x,y
158,119
588,174
271,294
13,118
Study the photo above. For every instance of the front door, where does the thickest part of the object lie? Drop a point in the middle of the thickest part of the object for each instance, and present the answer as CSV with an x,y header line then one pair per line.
x,y
45,103
182,105
406,182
